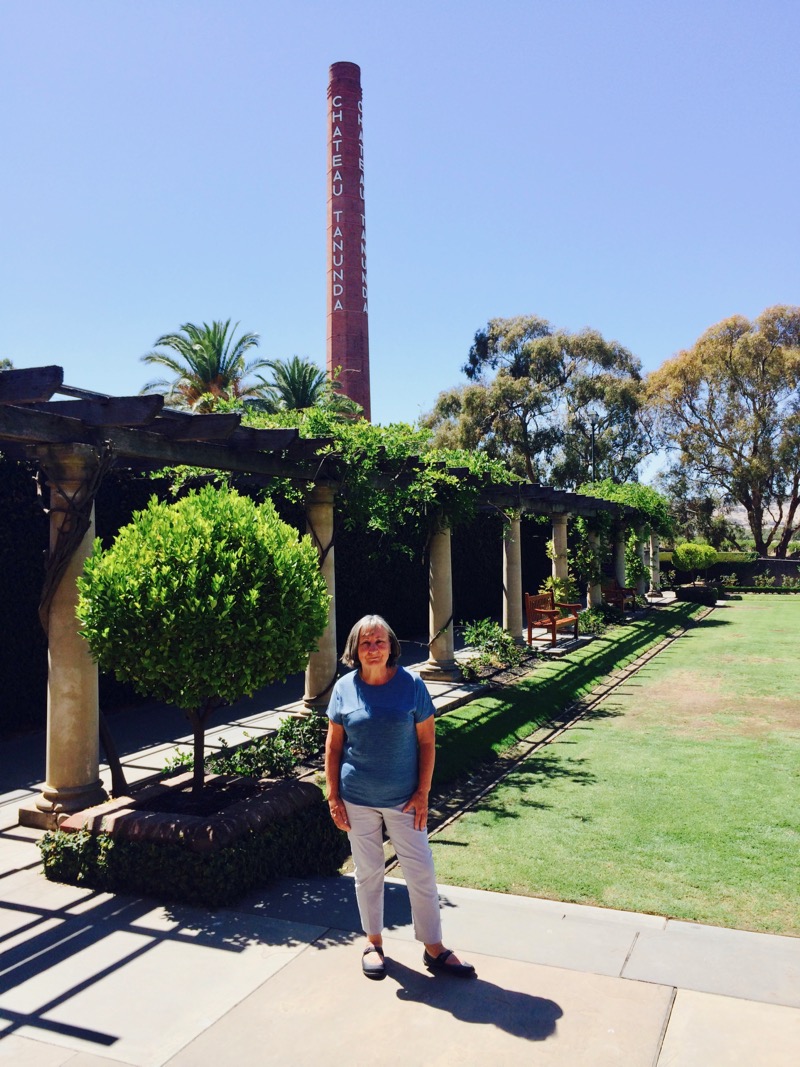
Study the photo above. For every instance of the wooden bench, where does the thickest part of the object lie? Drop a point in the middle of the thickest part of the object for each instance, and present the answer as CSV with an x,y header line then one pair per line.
x,y
616,595
542,611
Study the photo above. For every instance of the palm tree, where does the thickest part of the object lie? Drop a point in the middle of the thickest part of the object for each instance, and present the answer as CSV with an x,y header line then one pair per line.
x,y
207,362
296,383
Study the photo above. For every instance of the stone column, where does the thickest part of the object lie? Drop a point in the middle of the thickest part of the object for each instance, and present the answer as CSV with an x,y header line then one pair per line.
x,y
655,564
72,774
560,557
642,546
594,589
322,664
441,665
512,578
619,554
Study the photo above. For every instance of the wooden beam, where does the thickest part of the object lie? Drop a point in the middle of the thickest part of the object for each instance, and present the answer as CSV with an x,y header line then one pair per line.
x,y
263,440
196,427
114,411
38,427
29,385
153,447
307,448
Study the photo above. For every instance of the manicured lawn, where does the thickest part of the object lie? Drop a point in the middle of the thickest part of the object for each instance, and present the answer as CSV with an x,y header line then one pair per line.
x,y
484,728
679,796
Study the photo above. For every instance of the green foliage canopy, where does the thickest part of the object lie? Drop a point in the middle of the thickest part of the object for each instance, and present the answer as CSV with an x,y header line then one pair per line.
x,y
391,477
207,598
551,394
299,383
207,363
692,557
652,505
731,405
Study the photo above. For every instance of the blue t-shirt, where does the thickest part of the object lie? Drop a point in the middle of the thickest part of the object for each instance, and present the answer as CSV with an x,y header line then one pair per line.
x,y
380,758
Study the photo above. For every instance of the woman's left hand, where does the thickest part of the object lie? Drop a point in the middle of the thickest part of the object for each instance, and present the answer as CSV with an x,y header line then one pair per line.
x,y
418,803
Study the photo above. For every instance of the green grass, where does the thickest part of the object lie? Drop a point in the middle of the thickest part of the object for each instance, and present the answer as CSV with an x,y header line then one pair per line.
x,y
679,796
481,730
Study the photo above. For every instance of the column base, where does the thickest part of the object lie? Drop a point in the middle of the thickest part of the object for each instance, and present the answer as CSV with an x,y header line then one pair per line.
x,y
54,804
446,671
317,703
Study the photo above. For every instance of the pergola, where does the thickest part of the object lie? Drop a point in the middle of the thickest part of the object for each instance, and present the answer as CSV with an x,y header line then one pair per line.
x,y
76,439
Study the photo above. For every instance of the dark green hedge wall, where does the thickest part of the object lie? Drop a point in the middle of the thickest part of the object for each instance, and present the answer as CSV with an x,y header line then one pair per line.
x,y
23,649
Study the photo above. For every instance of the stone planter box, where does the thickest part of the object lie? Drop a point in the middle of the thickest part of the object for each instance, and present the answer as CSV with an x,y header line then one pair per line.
x,y
132,818
282,829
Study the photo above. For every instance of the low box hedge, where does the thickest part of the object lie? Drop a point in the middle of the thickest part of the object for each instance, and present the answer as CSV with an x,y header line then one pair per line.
x,y
698,594
302,844
771,589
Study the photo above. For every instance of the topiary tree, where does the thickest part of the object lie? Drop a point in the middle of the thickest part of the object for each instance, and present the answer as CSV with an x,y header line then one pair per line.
x,y
692,558
203,601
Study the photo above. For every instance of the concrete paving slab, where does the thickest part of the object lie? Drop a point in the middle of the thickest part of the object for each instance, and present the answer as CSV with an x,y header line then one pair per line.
x,y
19,849
135,983
521,928
735,963
320,1009
20,1052
711,1031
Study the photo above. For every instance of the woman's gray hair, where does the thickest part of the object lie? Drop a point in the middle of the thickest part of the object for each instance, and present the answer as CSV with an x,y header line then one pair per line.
x,y
369,622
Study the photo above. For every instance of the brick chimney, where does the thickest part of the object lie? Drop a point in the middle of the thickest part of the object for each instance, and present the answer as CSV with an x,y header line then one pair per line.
x,y
348,320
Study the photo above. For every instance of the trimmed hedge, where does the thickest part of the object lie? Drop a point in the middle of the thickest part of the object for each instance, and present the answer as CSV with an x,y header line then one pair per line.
x,y
665,556
769,589
698,594
305,844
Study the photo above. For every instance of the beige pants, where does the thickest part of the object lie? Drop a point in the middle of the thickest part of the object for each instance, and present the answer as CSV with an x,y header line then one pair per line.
x,y
414,854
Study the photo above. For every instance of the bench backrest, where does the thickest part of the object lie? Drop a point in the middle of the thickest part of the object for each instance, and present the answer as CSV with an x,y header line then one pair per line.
x,y
535,602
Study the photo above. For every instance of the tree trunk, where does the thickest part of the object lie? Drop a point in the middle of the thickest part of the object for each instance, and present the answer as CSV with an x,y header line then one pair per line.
x,y
197,718
789,532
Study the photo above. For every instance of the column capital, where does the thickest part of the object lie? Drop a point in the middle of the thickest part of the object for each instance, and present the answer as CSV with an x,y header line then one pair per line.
x,y
321,493
67,462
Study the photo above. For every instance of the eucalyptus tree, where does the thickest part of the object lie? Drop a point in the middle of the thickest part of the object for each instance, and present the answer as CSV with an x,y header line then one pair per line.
x,y
552,404
208,363
730,406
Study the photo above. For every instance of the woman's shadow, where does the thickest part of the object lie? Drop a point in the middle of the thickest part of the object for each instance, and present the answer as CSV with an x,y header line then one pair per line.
x,y
476,1001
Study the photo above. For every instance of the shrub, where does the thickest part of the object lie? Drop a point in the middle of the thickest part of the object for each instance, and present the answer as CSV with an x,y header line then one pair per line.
x,y
691,557
564,590
729,580
203,601
592,621
698,594
764,581
275,755
495,646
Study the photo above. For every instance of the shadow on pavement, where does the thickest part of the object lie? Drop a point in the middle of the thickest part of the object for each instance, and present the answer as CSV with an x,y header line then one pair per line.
x,y
479,1002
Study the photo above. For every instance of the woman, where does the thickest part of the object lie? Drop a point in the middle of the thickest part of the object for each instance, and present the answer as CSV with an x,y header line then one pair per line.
x,y
379,757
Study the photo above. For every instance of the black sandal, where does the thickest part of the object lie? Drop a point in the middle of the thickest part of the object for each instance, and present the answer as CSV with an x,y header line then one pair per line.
x,y
439,965
373,968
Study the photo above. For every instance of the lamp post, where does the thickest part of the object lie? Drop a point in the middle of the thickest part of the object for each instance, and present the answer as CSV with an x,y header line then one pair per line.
x,y
593,420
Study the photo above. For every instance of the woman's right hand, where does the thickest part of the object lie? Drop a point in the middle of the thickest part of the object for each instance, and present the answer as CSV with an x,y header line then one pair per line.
x,y
338,813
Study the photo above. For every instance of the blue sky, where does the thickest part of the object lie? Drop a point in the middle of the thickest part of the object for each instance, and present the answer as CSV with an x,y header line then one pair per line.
x,y
627,166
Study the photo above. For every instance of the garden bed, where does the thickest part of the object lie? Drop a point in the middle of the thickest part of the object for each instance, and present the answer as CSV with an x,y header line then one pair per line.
x,y
161,843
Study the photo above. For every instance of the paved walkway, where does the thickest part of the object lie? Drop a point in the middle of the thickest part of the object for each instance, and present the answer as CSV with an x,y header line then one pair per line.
x,y
91,980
